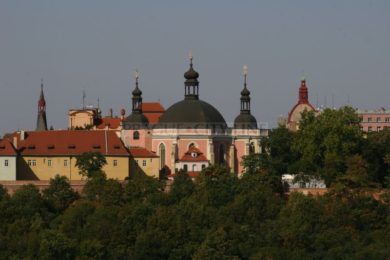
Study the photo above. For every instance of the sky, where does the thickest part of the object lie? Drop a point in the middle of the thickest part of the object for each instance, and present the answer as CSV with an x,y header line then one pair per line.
x,y
340,46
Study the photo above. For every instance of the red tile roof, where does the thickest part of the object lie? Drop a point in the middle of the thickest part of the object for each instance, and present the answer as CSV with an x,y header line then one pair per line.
x,y
150,107
6,148
71,142
112,123
153,118
141,152
187,157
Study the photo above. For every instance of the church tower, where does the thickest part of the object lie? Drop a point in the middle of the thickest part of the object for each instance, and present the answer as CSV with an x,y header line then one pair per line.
x,y
41,120
245,120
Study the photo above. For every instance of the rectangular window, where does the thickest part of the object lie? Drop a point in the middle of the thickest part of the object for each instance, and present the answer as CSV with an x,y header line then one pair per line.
x,y
34,162
65,163
6,163
378,119
369,129
369,119
378,128
144,163
29,162
115,163
49,163
136,162
387,119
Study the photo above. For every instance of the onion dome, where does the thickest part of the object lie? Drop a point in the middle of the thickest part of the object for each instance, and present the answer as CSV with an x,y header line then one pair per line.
x,y
191,74
245,120
137,119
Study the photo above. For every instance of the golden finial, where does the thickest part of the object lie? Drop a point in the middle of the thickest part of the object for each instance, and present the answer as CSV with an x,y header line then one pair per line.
x,y
245,70
136,74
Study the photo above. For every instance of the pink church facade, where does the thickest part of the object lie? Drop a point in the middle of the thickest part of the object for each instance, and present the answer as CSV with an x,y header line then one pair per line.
x,y
194,124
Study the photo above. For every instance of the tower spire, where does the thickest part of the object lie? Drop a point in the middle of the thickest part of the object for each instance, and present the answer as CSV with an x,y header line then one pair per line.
x,y
137,95
303,97
245,94
41,119
191,84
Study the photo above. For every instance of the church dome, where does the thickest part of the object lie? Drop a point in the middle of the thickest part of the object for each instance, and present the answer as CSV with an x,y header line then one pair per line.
x,y
245,121
192,113
136,121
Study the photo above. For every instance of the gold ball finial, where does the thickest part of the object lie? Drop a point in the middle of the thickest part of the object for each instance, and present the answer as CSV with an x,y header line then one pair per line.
x,y
245,70
190,55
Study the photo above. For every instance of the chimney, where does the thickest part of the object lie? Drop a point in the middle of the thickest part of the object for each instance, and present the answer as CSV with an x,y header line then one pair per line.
x,y
22,135
15,142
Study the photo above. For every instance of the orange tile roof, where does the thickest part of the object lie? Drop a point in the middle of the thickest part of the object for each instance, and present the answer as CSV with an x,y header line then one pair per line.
x,y
141,152
149,107
153,118
6,148
71,142
112,123
187,157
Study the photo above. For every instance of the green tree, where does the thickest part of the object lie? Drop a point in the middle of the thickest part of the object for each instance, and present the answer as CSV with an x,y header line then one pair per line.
x,y
59,195
325,141
90,163
376,148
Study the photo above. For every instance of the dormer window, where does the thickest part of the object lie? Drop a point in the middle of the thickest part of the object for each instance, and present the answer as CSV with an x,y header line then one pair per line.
x,y
31,147
71,146
50,146
96,146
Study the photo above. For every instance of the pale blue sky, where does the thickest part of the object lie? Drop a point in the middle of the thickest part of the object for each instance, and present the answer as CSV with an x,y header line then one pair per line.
x,y
342,47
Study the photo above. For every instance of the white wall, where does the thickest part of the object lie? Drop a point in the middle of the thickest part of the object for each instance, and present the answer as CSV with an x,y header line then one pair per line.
x,y
8,173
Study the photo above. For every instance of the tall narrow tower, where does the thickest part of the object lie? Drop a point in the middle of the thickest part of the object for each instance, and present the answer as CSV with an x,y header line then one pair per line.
x,y
41,120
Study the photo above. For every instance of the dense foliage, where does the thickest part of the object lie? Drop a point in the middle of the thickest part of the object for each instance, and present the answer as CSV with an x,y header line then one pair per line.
x,y
218,215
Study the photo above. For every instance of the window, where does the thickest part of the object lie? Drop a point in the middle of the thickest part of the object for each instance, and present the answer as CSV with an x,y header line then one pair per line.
x,y
34,162
194,167
185,167
136,162
6,163
387,119
115,162
369,119
378,119
378,128
369,129
65,163
136,135
144,163
203,166
49,163
29,162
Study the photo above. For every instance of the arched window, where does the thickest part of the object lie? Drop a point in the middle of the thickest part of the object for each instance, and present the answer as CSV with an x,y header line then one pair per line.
x,y
194,168
185,167
203,166
136,135
251,148
162,155
221,154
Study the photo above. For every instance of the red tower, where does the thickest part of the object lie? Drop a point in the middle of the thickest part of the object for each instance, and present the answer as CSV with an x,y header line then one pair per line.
x,y
41,120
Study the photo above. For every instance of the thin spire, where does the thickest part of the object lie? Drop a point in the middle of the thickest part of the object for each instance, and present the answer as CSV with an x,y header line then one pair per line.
x,y
245,73
190,57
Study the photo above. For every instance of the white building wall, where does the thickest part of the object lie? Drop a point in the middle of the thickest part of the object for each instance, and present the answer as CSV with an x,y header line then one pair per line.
x,y
8,173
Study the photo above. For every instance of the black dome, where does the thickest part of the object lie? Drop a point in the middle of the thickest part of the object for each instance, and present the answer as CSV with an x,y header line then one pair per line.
x,y
245,121
192,113
191,74
135,121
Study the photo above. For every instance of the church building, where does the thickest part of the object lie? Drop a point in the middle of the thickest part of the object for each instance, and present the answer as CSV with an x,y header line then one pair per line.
x,y
191,134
